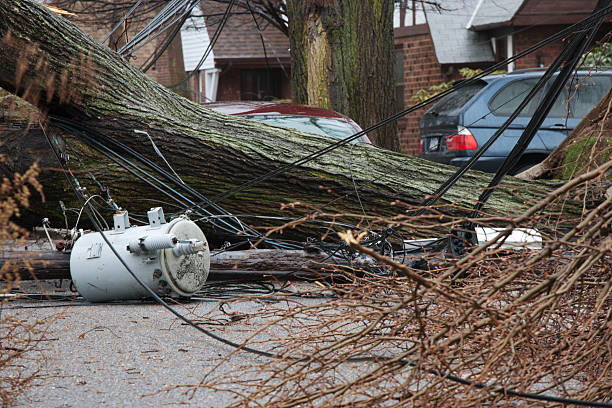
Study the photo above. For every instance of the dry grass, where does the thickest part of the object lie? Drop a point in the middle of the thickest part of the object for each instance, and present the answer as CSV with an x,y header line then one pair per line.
x,y
528,320
18,338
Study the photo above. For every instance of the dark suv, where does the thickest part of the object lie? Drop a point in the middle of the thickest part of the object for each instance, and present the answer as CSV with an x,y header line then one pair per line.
x,y
454,128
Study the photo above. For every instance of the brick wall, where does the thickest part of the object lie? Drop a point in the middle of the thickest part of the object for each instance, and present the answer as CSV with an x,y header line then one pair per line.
x,y
229,85
542,57
421,70
168,69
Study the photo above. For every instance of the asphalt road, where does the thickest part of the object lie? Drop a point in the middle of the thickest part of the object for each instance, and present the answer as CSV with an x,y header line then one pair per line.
x,y
125,354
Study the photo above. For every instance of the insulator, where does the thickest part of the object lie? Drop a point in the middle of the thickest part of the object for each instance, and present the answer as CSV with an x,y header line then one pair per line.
x,y
189,247
152,243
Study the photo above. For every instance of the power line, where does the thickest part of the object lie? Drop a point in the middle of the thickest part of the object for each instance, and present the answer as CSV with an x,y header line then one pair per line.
x,y
271,355
253,182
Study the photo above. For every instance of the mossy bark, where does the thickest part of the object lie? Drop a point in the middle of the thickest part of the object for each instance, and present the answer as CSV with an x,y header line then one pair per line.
x,y
342,57
52,64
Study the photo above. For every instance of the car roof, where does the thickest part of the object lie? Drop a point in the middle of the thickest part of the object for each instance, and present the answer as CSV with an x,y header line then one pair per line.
x,y
538,72
251,108
274,108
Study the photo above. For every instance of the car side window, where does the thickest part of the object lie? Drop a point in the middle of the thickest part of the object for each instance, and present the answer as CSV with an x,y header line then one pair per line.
x,y
586,93
580,96
561,108
510,97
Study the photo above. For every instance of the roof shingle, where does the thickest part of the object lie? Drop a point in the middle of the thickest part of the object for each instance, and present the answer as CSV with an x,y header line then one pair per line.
x,y
240,38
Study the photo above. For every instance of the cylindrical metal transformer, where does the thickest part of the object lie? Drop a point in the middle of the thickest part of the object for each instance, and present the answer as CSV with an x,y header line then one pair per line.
x,y
180,267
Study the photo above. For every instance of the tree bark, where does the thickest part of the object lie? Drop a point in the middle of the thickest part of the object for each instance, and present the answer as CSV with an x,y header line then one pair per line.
x,y
588,146
52,64
342,57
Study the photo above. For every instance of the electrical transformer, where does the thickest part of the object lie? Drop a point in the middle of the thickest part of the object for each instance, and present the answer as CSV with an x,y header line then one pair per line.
x,y
171,258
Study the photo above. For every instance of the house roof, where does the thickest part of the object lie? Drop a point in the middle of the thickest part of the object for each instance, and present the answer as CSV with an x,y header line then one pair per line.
x,y
540,12
493,13
240,39
453,42
489,14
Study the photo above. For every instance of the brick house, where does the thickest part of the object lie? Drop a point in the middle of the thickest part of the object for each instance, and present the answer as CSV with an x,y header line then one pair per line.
x,y
239,67
167,70
432,44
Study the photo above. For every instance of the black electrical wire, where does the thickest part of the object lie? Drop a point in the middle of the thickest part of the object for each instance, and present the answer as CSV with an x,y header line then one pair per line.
x,y
569,58
150,291
578,26
267,354
463,84
271,355
170,10
152,59
130,11
72,126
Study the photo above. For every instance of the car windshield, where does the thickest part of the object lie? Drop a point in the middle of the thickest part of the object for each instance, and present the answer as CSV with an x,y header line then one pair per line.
x,y
452,103
337,128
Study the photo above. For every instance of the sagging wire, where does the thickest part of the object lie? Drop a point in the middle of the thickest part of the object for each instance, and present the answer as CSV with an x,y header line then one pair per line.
x,y
379,242
464,238
244,347
570,57
262,353
542,82
586,23
158,184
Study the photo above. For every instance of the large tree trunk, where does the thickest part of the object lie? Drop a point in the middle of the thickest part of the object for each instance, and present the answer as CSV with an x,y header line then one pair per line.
x,y
342,58
52,64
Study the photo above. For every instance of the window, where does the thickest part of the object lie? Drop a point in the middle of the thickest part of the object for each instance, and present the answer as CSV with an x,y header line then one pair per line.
x,y
260,84
582,96
451,104
510,97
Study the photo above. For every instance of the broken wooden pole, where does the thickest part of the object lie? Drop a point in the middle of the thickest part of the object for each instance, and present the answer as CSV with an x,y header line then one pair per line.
x,y
36,261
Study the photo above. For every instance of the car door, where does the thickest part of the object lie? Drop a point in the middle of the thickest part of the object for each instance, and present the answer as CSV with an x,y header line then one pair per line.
x,y
502,102
580,95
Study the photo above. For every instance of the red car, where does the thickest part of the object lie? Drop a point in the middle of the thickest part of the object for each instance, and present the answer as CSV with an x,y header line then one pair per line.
x,y
300,117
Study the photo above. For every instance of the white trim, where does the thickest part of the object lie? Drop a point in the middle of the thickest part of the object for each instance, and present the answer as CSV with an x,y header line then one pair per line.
x,y
194,42
510,50
211,78
200,86
469,23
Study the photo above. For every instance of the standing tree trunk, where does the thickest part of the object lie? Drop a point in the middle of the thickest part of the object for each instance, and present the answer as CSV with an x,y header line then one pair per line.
x,y
342,57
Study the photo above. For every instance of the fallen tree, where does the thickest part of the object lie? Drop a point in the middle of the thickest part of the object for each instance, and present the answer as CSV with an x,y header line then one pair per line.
x,y
52,64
